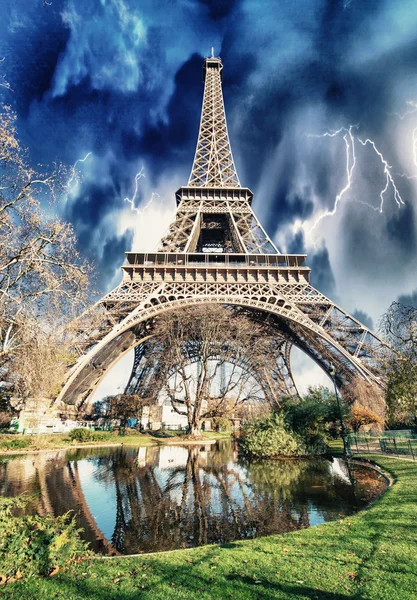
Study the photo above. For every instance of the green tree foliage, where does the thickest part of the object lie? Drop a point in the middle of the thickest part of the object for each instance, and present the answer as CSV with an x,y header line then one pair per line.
x,y
34,545
300,427
270,437
315,418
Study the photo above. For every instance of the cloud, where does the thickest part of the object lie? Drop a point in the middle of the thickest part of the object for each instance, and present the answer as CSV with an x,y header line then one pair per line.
x,y
408,299
123,79
113,250
219,9
104,46
322,276
363,318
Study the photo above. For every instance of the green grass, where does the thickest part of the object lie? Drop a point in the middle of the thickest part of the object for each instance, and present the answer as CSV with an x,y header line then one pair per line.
x,y
372,555
30,443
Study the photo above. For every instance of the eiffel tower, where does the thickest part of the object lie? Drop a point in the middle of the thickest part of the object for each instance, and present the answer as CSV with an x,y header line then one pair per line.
x,y
216,251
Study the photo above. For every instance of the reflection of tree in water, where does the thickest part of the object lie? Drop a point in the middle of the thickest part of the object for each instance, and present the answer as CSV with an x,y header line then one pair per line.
x,y
279,478
197,503
174,497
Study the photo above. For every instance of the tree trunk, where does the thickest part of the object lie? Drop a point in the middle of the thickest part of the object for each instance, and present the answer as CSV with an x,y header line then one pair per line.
x,y
194,425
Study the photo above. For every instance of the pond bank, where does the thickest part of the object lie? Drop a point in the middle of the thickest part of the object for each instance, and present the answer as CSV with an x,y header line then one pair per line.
x,y
369,555
51,442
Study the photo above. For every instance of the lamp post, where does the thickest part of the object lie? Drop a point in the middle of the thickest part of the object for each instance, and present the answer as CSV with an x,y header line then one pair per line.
x,y
332,373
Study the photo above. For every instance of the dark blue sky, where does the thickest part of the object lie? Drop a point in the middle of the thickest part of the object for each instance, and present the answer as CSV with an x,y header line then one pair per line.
x,y
121,79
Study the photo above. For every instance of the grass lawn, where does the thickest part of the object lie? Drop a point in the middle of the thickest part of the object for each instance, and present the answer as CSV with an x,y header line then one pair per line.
x,y
29,443
372,555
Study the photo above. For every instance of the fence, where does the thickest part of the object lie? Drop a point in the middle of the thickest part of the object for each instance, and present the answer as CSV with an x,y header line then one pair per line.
x,y
388,442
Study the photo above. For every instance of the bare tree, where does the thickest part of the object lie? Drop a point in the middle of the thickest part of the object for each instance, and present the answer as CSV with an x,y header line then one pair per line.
x,y
44,282
359,392
210,360
399,324
125,407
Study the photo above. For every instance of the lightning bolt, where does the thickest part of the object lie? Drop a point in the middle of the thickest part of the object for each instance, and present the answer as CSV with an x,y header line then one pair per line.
x,y
389,177
411,111
350,165
351,161
131,201
74,174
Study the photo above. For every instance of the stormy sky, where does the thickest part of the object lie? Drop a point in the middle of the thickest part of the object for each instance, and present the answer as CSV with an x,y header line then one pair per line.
x,y
121,80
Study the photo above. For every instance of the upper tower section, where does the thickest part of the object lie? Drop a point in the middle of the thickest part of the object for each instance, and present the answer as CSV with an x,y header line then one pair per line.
x,y
213,162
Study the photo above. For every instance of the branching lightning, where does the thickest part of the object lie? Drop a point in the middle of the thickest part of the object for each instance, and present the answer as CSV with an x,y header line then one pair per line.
x,y
131,201
351,161
389,177
410,111
74,172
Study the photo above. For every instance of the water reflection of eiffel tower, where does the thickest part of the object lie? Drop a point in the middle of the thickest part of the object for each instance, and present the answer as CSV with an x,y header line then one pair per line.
x,y
216,251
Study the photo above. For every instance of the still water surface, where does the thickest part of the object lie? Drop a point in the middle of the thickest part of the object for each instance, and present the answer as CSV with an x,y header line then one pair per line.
x,y
148,499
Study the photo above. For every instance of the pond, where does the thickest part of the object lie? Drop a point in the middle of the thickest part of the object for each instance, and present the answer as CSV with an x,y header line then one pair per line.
x,y
149,499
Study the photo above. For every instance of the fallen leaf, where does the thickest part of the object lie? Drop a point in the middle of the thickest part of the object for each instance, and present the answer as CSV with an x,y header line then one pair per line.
x,y
54,571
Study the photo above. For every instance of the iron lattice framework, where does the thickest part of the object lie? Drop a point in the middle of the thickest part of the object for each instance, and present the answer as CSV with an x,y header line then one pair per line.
x,y
213,162
216,251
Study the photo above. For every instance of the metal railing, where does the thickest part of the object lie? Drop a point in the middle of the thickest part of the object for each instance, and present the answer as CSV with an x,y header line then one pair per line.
x,y
388,442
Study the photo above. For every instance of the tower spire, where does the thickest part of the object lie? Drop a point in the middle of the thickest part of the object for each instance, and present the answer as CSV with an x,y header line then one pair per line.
x,y
213,162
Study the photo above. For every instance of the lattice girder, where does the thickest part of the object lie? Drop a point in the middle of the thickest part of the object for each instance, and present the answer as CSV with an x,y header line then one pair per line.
x,y
145,382
243,226
216,251
213,162
276,300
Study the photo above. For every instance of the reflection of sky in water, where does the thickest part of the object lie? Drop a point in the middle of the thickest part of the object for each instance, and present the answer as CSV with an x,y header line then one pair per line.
x,y
235,499
100,497
316,516
170,473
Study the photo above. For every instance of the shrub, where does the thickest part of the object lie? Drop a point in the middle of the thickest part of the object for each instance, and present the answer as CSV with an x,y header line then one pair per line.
x,y
34,545
314,418
17,443
270,437
363,416
82,434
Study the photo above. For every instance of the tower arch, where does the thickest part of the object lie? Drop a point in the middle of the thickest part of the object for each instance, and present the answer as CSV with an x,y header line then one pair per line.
x,y
216,251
